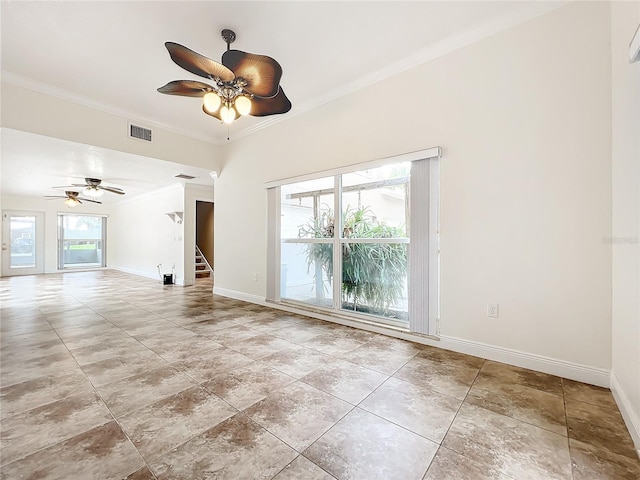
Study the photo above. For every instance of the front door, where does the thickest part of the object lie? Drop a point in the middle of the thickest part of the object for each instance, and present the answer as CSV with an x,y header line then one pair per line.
x,y
22,243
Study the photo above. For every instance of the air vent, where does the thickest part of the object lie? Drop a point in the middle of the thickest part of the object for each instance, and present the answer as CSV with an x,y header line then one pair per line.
x,y
186,177
140,133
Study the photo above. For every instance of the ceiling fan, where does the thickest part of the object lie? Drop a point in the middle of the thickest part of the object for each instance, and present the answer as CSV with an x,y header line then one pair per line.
x,y
71,198
93,188
243,84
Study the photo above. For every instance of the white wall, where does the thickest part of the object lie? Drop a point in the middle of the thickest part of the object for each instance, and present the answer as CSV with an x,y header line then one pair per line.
x,y
524,120
51,208
144,236
30,111
625,371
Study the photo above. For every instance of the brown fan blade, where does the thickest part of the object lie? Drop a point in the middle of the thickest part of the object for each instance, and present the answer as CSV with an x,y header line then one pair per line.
x,y
198,64
186,88
119,191
88,200
261,107
262,73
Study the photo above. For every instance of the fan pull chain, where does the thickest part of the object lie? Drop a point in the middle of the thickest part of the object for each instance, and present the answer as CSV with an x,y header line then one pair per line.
x,y
228,128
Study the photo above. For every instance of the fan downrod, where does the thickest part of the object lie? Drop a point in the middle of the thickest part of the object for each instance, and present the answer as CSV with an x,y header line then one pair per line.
x,y
229,37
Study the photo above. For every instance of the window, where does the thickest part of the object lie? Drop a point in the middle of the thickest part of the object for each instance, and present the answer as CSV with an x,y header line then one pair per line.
x,y
23,234
81,241
361,242
307,243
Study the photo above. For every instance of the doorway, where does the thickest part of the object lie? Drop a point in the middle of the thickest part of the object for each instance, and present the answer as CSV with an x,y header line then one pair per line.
x,y
205,238
22,243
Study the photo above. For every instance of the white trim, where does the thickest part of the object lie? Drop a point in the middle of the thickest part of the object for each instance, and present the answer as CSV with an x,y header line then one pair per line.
x,y
432,152
133,271
81,214
342,241
247,297
307,240
60,93
532,361
629,416
403,241
540,363
337,252
428,53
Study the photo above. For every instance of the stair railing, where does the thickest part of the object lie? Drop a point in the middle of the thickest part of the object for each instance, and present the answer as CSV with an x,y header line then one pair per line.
x,y
199,252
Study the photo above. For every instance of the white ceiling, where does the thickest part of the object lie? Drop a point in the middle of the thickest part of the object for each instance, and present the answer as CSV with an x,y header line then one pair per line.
x,y
111,54
33,164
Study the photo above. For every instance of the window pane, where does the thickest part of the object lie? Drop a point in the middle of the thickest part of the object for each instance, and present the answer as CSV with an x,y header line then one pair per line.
x,y
86,253
374,202
307,209
306,273
23,235
82,241
374,279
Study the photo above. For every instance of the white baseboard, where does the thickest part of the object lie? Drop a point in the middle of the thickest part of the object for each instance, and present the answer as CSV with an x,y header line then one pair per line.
x,y
140,273
540,363
247,297
628,414
561,368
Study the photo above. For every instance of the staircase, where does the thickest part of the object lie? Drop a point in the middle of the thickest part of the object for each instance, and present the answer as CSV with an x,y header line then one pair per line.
x,y
203,269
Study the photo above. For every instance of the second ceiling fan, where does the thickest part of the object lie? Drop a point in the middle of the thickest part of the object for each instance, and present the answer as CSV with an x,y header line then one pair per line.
x,y
93,188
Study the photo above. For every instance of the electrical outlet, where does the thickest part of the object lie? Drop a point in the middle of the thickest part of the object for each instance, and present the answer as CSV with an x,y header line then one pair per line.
x,y
492,310
255,277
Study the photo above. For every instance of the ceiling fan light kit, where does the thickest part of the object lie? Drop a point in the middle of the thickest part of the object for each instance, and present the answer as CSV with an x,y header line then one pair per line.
x,y
72,202
243,84
93,192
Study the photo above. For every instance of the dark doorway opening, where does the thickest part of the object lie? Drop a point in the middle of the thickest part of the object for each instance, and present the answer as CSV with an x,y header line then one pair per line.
x,y
204,237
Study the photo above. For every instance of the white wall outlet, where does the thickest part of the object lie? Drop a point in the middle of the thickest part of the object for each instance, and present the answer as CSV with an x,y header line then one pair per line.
x,y
492,310
255,277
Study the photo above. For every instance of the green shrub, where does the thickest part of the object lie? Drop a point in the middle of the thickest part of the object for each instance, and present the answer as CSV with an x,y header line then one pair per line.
x,y
373,274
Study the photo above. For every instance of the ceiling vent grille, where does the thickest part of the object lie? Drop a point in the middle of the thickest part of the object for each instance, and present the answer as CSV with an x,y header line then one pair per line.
x,y
185,176
141,133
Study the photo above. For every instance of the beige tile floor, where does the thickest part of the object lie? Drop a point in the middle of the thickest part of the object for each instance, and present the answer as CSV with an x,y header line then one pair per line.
x,y
105,375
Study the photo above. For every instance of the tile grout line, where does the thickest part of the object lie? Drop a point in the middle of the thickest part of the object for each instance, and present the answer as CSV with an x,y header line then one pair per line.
x,y
105,404
80,433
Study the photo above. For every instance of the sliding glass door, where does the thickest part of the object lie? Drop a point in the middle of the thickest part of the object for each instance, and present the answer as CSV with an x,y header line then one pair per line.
x,y
22,243
306,253
354,228
374,241
359,241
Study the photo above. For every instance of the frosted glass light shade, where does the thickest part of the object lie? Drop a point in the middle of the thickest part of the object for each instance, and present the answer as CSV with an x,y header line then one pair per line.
x,y
243,105
228,114
71,202
93,192
211,102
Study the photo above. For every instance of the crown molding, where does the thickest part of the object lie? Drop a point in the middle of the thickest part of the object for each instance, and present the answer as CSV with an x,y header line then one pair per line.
x,y
441,48
438,49
46,89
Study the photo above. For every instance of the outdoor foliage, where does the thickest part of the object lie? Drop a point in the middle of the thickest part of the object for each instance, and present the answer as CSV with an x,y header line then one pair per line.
x,y
373,274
